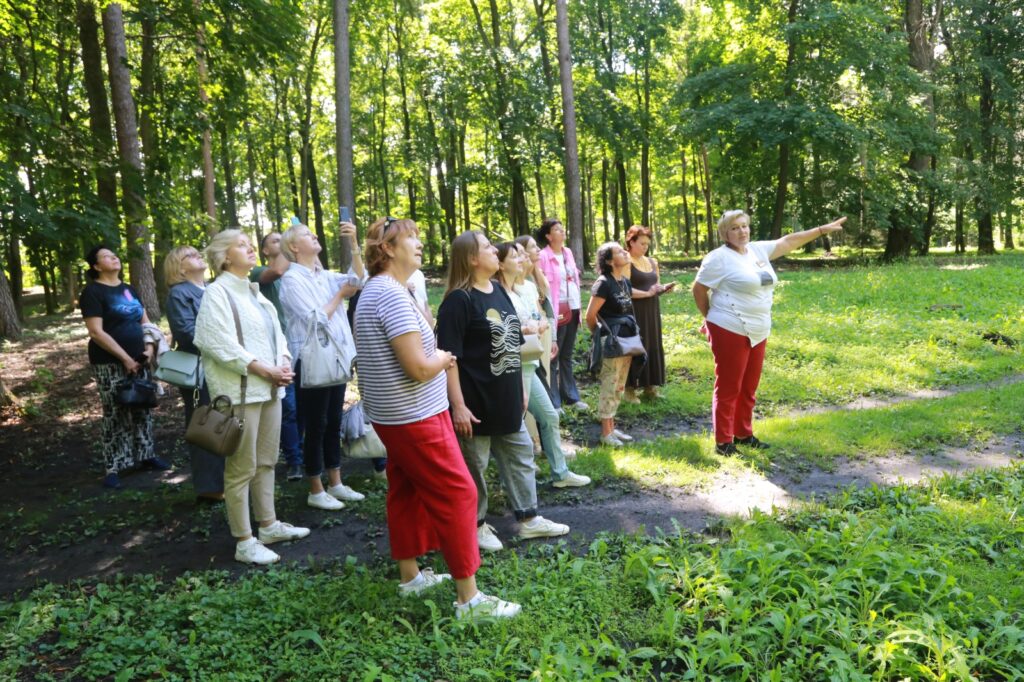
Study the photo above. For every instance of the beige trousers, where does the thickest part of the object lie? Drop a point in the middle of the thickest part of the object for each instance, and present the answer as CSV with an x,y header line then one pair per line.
x,y
613,384
251,468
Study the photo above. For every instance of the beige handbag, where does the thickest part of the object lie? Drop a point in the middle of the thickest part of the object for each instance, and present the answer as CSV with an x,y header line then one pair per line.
x,y
217,431
532,349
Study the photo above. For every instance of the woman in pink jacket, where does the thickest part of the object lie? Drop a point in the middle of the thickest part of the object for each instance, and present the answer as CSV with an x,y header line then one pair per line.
x,y
559,266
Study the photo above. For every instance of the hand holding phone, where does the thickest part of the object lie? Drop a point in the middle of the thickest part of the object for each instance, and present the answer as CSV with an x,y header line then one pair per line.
x,y
346,216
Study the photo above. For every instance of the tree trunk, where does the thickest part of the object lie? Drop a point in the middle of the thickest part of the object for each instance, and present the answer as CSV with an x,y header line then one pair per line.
x,y
645,145
688,239
99,115
131,160
574,204
209,192
318,209
781,189
229,174
463,179
604,197
627,219
959,240
343,122
407,141
16,282
10,325
706,189
986,105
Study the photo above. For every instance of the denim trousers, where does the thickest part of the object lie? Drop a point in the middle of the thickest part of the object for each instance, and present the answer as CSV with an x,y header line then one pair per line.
x,y
546,415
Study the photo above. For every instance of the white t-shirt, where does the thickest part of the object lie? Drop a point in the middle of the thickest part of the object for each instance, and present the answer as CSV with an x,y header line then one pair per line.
x,y
741,289
568,290
418,283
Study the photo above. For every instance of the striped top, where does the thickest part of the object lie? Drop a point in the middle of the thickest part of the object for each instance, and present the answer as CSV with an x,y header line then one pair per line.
x,y
385,311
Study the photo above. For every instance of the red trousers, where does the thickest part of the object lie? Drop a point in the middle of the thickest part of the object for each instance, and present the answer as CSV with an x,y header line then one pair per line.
x,y
737,374
431,496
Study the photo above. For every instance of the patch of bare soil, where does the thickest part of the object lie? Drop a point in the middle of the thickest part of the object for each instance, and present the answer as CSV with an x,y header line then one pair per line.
x,y
62,526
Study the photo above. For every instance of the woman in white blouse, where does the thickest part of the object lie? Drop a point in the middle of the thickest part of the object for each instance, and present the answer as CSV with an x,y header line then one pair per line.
x,y
733,292
259,367
308,293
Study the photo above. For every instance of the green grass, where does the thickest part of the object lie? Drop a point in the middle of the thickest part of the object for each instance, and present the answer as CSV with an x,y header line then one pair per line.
x,y
900,583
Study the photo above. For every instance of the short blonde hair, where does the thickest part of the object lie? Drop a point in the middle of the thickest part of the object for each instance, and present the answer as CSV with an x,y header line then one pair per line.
x,y
727,220
289,237
173,274
216,252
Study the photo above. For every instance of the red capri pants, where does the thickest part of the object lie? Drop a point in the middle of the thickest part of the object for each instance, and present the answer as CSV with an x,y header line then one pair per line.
x,y
431,496
737,374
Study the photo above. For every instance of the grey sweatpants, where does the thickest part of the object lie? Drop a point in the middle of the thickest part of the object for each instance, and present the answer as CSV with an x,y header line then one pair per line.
x,y
513,453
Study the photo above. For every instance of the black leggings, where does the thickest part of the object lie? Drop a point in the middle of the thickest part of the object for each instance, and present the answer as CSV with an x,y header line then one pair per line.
x,y
318,412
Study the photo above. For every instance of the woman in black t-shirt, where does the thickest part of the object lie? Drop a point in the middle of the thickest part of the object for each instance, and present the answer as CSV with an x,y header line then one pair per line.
x,y
114,317
477,323
611,298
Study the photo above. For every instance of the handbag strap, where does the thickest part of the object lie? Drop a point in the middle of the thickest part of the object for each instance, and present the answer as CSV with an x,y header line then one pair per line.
x,y
241,342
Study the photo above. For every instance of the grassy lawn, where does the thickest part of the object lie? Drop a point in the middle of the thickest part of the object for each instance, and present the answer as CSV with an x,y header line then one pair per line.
x,y
901,583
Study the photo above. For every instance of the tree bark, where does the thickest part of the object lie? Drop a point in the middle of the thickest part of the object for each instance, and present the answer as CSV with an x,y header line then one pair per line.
x,y
343,122
10,325
131,160
627,219
99,115
781,189
250,163
706,189
986,106
318,209
229,173
604,197
463,179
155,165
688,239
574,204
407,142
209,190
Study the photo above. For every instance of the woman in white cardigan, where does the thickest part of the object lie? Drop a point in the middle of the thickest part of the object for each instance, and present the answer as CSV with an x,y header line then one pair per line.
x,y
262,362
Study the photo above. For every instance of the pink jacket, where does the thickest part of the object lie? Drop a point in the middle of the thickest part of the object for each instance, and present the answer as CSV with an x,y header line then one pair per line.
x,y
549,266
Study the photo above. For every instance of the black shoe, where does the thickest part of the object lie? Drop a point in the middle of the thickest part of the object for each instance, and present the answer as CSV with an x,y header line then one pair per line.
x,y
112,481
155,464
752,442
725,449
295,472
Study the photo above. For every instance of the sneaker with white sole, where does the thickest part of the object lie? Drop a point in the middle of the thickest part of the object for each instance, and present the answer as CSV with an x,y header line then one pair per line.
x,y
252,551
579,406
423,581
624,437
611,440
279,531
572,480
324,501
539,527
486,606
487,540
343,492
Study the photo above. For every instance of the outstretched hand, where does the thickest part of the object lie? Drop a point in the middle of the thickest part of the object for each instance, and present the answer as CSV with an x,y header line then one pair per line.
x,y
834,226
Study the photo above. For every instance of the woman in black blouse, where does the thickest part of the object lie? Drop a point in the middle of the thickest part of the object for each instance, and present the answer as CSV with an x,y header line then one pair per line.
x,y
611,299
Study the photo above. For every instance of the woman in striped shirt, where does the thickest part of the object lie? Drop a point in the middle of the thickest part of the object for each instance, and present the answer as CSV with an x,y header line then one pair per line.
x,y
432,499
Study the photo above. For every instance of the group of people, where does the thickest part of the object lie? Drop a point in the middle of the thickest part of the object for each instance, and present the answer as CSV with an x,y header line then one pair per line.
x,y
444,397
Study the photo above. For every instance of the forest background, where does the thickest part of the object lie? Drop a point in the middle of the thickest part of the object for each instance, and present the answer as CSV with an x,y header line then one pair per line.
x,y
153,124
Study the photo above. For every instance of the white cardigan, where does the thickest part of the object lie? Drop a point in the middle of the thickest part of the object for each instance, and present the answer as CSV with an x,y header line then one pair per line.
x,y
224,360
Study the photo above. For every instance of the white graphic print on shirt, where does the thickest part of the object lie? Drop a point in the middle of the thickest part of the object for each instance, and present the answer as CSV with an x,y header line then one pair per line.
x,y
504,342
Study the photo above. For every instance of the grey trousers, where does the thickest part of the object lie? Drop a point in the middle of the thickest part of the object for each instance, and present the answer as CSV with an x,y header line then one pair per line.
x,y
513,453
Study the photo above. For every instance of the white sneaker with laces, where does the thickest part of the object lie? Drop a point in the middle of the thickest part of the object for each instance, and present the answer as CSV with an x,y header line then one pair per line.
x,y
539,527
486,606
423,581
279,531
487,540
252,551
611,440
322,500
624,437
572,480
343,492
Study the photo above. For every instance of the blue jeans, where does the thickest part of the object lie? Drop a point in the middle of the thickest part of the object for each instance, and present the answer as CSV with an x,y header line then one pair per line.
x,y
291,445
547,421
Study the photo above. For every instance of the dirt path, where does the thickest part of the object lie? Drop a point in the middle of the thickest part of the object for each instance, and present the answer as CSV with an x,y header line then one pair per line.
x,y
61,526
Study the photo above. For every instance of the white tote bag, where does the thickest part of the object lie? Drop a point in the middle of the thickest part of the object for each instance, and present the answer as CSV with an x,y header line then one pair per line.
x,y
326,361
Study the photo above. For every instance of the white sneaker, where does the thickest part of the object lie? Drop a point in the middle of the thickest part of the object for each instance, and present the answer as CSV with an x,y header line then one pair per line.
x,y
252,551
487,540
343,492
539,527
486,606
280,531
572,480
579,406
624,437
611,440
423,581
324,501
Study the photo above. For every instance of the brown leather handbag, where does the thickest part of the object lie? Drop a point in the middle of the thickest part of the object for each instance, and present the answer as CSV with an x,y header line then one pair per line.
x,y
216,430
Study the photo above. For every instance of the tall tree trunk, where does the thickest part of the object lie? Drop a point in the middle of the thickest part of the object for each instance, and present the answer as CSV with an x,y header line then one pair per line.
x,y
343,122
986,105
407,141
305,125
688,239
463,178
318,209
17,273
209,190
588,216
604,197
250,163
99,115
574,205
155,165
540,188
229,173
445,192
131,160
627,219
645,145
781,189
706,190
431,212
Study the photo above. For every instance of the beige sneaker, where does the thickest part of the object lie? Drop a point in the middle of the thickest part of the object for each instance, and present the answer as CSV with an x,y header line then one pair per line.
x,y
486,606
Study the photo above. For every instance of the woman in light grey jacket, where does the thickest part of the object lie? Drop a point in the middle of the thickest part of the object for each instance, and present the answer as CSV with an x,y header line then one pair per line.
x,y
261,363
